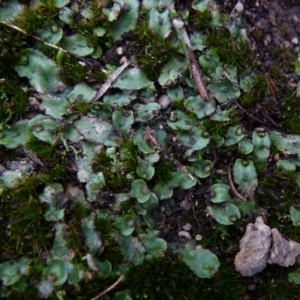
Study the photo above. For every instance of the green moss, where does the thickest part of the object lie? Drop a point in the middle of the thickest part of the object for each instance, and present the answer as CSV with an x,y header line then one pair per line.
x,y
71,70
290,115
74,216
59,173
87,26
152,50
41,149
7,154
163,172
218,130
277,192
13,101
118,176
34,19
169,277
23,217
257,93
285,60
231,52
112,251
274,284
83,107
98,75
202,19
50,156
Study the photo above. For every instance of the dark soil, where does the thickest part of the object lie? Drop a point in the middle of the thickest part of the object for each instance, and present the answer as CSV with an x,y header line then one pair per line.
x,y
271,25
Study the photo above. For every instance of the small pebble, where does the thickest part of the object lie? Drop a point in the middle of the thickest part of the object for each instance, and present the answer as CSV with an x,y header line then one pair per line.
x,y
119,50
187,226
295,40
185,234
198,237
239,7
295,19
164,101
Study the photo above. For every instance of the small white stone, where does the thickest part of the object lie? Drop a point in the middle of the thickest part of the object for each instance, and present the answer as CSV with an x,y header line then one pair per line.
x,y
119,50
295,19
198,237
187,226
239,7
178,23
295,40
184,234
164,101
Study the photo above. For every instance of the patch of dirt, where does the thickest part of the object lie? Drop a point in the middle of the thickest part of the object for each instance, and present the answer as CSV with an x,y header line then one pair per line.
x,y
271,25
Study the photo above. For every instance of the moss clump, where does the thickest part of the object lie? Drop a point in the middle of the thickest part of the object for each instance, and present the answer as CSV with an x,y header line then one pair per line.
x,y
118,175
13,101
34,19
25,222
83,107
168,277
163,172
8,154
290,115
54,157
73,216
277,193
274,284
112,251
231,52
72,72
11,43
257,93
152,50
202,19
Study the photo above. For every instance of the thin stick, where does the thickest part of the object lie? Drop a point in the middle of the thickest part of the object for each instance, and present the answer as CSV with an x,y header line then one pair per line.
x,y
195,215
271,85
196,72
270,119
235,192
178,165
110,80
150,135
249,115
44,42
109,288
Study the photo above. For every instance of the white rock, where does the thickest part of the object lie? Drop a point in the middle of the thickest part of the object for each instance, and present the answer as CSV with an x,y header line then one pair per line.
x,y
239,7
120,51
283,251
295,40
164,101
184,234
198,237
254,248
187,226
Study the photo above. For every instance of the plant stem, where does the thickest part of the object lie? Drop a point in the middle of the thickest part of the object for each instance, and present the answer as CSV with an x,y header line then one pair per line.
x,y
109,288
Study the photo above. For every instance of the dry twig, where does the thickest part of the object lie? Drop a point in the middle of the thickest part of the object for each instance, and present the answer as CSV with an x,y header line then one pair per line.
x,y
110,80
271,85
235,192
44,42
196,72
150,135
249,115
109,288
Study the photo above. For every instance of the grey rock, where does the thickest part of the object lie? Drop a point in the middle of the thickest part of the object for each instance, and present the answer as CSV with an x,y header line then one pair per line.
x,y
283,251
254,248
